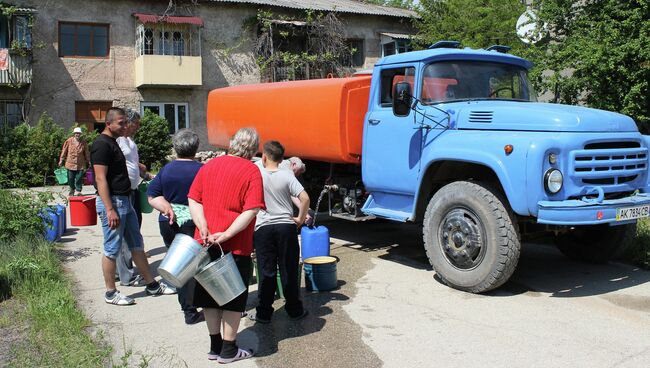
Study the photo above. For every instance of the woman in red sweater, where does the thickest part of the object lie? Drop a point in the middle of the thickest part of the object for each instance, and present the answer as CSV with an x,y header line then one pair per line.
x,y
224,199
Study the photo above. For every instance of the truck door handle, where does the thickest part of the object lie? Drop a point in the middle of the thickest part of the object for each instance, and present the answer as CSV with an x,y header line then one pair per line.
x,y
373,121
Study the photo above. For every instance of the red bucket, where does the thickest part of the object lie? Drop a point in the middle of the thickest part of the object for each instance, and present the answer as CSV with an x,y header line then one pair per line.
x,y
82,211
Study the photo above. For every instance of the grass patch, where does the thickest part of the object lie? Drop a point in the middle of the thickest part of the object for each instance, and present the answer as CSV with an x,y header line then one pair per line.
x,y
636,249
57,333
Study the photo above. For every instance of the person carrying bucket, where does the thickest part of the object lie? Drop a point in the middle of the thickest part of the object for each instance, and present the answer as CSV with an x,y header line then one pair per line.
x,y
224,199
113,205
77,159
276,240
167,193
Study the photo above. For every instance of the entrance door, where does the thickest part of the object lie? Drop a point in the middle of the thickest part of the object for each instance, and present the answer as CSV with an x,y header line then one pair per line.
x,y
92,113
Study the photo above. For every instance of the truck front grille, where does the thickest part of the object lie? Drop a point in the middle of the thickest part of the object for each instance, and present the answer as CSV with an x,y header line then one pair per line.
x,y
609,163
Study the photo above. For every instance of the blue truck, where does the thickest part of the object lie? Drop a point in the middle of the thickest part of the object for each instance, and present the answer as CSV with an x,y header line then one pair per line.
x,y
454,138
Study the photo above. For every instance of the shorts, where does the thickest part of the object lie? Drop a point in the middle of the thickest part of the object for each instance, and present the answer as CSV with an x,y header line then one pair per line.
x,y
203,299
128,229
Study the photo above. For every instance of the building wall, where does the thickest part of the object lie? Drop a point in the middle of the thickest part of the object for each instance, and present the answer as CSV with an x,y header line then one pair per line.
x,y
227,52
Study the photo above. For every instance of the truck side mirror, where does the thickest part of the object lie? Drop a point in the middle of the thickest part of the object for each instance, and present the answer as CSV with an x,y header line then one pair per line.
x,y
402,99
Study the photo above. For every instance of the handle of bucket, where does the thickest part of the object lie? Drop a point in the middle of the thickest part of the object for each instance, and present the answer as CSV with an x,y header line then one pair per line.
x,y
88,199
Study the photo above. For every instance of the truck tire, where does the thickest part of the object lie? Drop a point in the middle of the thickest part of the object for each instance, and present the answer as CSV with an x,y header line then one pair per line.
x,y
470,237
594,243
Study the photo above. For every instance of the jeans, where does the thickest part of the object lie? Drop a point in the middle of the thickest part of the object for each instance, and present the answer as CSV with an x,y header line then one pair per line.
x,y
168,232
276,248
75,179
124,261
127,231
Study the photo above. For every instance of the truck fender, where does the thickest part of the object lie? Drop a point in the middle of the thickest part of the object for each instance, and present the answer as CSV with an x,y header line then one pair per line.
x,y
513,182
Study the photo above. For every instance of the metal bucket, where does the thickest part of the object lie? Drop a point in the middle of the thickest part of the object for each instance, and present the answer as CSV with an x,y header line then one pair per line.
x,y
184,258
221,279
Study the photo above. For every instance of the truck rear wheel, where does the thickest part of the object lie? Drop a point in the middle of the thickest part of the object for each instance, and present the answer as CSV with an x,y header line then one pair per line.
x,y
470,237
593,243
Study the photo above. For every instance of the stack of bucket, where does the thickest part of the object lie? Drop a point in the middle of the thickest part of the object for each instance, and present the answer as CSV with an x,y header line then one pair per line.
x,y
319,266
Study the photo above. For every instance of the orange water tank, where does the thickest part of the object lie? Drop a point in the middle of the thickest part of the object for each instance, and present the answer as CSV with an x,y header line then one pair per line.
x,y
319,119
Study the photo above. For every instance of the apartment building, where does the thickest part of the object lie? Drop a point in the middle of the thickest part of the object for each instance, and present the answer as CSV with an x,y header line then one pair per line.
x,y
75,59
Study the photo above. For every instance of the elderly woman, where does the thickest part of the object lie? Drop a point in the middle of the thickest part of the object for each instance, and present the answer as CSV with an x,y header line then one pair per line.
x,y
167,193
225,197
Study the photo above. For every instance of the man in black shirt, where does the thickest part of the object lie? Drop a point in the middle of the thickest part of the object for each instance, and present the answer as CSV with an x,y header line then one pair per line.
x,y
115,210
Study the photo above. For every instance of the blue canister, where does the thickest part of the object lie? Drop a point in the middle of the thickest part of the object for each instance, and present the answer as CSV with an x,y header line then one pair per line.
x,y
60,211
51,222
315,241
320,273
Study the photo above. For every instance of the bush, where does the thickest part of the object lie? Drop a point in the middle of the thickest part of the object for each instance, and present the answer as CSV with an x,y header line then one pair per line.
x,y
636,250
30,154
20,213
153,140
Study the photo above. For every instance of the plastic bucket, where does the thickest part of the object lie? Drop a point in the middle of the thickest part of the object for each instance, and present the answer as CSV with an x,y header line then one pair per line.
x,y
183,259
145,207
221,279
83,211
61,175
320,273
50,220
89,177
314,241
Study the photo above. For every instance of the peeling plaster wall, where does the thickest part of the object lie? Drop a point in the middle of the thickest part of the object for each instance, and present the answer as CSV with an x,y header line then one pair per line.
x,y
227,55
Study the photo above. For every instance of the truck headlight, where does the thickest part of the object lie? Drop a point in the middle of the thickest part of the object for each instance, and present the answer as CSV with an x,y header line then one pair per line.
x,y
553,181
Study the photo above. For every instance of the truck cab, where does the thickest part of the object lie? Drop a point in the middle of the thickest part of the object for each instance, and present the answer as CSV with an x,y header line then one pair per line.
x,y
455,138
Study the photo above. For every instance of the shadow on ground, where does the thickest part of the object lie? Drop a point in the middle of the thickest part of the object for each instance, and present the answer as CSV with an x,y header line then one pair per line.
x,y
541,269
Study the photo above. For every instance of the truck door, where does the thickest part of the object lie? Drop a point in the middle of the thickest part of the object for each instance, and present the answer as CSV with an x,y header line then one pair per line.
x,y
392,145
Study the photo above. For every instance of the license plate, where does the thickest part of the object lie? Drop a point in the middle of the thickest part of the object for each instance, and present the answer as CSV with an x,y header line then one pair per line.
x,y
631,213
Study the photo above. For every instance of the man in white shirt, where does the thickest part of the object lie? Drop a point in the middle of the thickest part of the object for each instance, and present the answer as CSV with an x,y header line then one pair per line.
x,y
124,262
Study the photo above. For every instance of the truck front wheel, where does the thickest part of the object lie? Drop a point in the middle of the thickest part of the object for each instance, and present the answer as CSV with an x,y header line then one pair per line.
x,y
470,237
594,243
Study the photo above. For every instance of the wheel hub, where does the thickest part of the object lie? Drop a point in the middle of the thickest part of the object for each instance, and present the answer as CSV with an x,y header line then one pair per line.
x,y
461,237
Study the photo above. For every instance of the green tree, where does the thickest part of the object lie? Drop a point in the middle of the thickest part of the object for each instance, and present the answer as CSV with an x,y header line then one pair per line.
x,y
153,140
475,23
597,52
406,4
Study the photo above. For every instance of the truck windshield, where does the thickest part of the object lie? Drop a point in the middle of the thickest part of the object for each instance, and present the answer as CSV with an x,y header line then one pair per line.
x,y
475,80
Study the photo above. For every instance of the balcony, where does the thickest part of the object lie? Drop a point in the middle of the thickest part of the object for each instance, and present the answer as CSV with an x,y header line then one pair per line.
x,y
168,51
19,70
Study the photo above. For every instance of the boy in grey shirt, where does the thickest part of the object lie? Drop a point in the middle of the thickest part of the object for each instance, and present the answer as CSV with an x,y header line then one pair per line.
x,y
276,237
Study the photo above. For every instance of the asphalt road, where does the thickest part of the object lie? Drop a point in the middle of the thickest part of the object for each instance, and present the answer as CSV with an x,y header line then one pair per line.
x,y
390,311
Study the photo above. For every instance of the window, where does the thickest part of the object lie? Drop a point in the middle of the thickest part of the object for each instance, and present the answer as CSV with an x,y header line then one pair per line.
x,y
167,39
396,47
355,55
83,40
463,80
390,77
92,113
10,114
176,114
20,35
148,41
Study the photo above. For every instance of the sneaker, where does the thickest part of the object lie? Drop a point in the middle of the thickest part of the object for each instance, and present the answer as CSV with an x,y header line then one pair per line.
x,y
193,318
136,280
119,299
71,192
78,194
241,354
163,289
300,316
258,319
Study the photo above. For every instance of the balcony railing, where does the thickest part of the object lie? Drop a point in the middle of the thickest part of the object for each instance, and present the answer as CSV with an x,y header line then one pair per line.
x,y
168,55
19,70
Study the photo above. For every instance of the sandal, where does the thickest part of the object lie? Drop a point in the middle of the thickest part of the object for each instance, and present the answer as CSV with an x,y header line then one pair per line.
x,y
241,354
